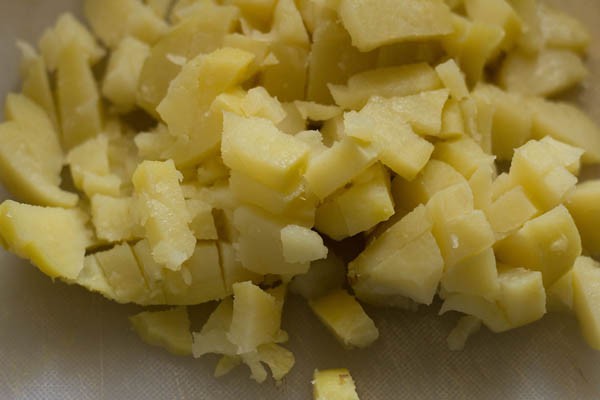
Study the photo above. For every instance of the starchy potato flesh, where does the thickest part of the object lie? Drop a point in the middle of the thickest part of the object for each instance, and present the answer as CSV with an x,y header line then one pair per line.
x,y
583,205
195,151
549,72
345,318
169,329
334,384
375,23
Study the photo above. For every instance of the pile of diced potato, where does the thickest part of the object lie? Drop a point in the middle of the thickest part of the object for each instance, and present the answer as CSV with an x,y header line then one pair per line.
x,y
178,153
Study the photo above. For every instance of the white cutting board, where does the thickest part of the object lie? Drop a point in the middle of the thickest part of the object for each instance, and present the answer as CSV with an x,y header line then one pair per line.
x,y
60,342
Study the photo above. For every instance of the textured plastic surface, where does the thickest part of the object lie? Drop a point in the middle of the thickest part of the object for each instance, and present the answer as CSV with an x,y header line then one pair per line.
x,y
60,342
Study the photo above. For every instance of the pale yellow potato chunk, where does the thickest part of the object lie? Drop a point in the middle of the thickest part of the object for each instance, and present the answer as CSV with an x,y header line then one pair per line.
x,y
485,310
169,329
562,30
452,121
560,294
163,213
584,206
203,222
54,239
152,271
66,30
333,60
301,245
549,243
399,147
260,248
512,121
475,275
114,218
498,13
317,112
93,279
510,211
287,26
257,148
22,173
464,154
286,78
334,384
436,176
586,278
160,7
122,76
322,277
345,318
180,45
112,20
359,208
568,124
373,23
36,83
522,296
233,270
79,103
256,317
402,80
199,280
453,79
550,72
338,165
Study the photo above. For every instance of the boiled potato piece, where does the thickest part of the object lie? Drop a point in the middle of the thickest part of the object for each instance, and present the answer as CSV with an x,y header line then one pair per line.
x,y
464,154
212,338
549,243
279,359
36,82
375,23
453,79
332,169
586,277
123,274
123,73
114,218
257,148
584,206
399,147
510,211
54,239
522,295
488,311
163,213
359,208
334,384
550,72
79,103
66,30
475,275
93,279
302,245
179,45
260,247
562,30
499,13
436,176
169,329
22,173
345,318
203,222
560,294
152,271
568,124
403,80
333,60
286,78
232,268
199,280
112,20
256,317
287,24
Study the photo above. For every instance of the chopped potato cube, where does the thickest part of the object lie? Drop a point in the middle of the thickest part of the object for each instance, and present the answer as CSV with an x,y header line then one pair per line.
x,y
499,13
163,213
68,29
522,296
114,218
169,329
301,244
260,247
475,275
510,211
562,30
54,239
586,278
464,154
549,72
92,278
286,78
374,23
345,318
584,205
256,317
287,24
232,268
398,81
122,76
334,384
549,243
257,148
112,20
